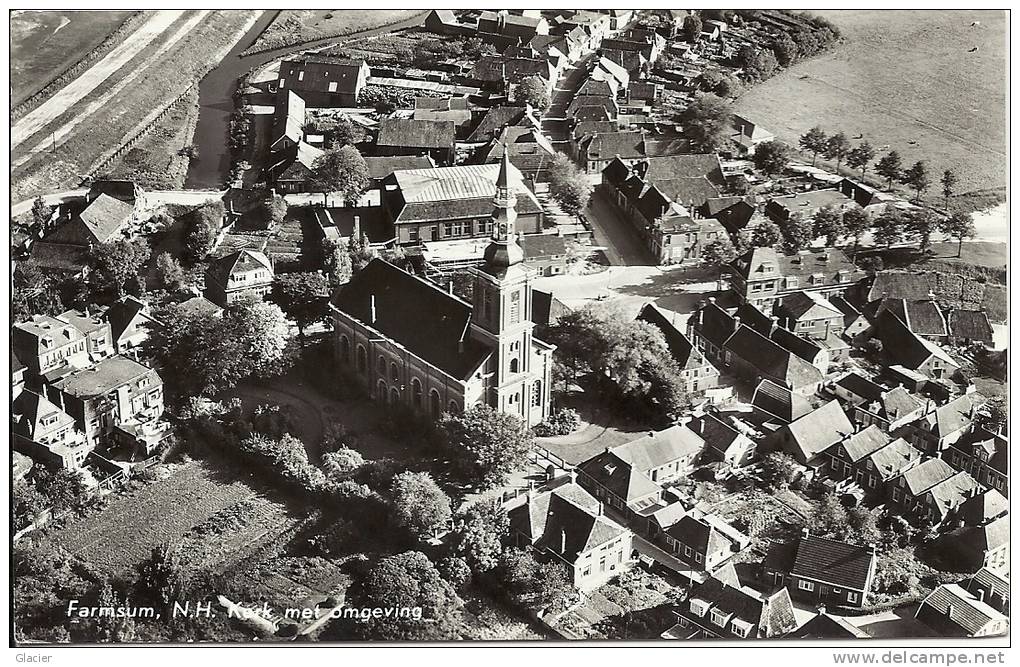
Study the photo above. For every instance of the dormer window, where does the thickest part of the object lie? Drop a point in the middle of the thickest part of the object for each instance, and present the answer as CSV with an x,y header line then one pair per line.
x,y
791,282
698,607
720,617
741,628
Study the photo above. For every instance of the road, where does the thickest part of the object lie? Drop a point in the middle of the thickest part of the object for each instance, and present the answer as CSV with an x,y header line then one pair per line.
x,y
75,91
555,124
613,232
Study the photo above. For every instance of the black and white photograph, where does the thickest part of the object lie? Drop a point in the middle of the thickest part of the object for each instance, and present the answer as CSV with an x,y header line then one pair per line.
x,y
386,327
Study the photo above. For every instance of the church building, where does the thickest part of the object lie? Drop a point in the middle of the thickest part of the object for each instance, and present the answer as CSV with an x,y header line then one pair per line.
x,y
412,342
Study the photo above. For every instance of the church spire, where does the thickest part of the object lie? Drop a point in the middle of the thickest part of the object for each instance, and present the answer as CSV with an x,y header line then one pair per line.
x,y
503,251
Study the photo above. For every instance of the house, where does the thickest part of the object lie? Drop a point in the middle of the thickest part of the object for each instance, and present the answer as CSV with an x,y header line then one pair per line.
x,y
872,200
848,457
696,371
66,248
812,351
380,167
908,489
649,44
951,611
18,371
239,275
46,433
406,136
975,546
854,389
447,203
723,441
874,468
461,118
499,74
764,277
644,93
288,121
991,587
117,398
505,29
805,204
530,151
130,323
633,62
854,322
411,342
325,81
810,436
724,608
495,119
444,22
199,305
821,570
292,168
46,343
733,213
891,410
565,523
983,454
546,253
703,540
921,316
748,135
619,18
593,108
629,476
826,626
946,424
779,405
968,326
941,499
810,315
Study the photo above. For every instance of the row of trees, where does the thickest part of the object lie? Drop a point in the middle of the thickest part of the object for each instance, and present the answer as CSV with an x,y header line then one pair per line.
x,y
568,186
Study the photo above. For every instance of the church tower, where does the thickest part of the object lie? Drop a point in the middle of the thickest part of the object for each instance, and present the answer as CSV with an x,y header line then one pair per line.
x,y
517,376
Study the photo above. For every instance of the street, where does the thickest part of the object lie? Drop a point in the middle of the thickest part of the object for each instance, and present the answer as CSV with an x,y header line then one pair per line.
x,y
555,124
613,232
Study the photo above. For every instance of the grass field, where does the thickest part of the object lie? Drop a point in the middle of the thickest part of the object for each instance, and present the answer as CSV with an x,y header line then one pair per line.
x,y
45,43
903,77
294,26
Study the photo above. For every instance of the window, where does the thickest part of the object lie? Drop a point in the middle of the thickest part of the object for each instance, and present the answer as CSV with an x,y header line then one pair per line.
x,y
536,394
416,393
453,408
698,607
740,628
362,360
514,364
515,308
697,558
851,596
345,350
805,585
332,86
719,618
412,235
301,75
381,366
394,372
436,406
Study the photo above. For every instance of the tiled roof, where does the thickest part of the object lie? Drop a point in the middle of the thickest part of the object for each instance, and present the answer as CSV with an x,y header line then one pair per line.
x,y
808,203
104,377
808,305
381,167
321,71
927,474
543,245
970,324
922,317
415,313
865,442
993,584
894,457
410,133
660,447
495,119
824,262
993,534
768,616
904,346
960,609
449,193
618,476
289,117
861,387
816,431
956,414
983,508
707,533
771,359
950,493
679,345
824,626
780,401
43,326
994,445
833,562
240,261
28,411
123,312
899,285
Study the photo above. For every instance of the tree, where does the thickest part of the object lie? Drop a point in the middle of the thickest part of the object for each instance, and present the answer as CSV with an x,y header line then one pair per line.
x,y
342,464
829,518
771,157
665,399
33,293
959,226
115,262
302,296
525,582
889,227
169,272
994,414
917,179
271,211
837,148
719,252
486,445
860,157
757,64
692,28
337,261
341,170
766,235
455,571
41,212
29,503
568,186
202,226
532,90
404,581
110,628
948,185
785,49
856,222
778,470
162,577
828,222
814,141
418,504
259,331
707,123
798,233
890,167
922,222
478,537
65,490
861,526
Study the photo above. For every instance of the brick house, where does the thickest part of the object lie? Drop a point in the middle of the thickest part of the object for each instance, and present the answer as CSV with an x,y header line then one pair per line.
x,y
45,343
325,81
703,540
870,458
951,611
239,275
808,438
937,429
819,570
696,370
764,277
406,136
983,454
46,433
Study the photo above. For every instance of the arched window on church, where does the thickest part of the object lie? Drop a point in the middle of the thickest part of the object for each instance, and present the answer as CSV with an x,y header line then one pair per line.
x,y
394,373
362,359
453,408
536,394
345,350
416,393
380,390
436,404
394,396
381,366
514,364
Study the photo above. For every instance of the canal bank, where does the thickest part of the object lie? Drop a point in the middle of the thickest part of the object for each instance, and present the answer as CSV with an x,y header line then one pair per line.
x,y
216,95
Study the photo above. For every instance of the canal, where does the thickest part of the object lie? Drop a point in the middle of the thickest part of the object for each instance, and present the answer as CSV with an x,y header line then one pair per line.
x,y
216,101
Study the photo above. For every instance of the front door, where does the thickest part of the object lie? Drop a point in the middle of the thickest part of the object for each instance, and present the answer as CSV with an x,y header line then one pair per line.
x,y
435,232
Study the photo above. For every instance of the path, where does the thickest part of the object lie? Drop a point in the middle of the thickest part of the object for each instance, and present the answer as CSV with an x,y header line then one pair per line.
x,y
75,91
612,231
103,100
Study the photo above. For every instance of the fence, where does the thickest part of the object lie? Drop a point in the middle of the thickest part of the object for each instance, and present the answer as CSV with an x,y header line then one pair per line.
x,y
147,126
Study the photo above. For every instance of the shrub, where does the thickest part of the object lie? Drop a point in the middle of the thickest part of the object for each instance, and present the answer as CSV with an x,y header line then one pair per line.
x,y
455,571
562,422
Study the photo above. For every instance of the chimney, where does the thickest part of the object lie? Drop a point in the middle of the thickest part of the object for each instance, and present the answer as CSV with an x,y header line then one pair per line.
x,y
372,315
774,324
601,509
949,612
711,300
573,475
449,287
701,426
357,227
827,323
563,541
701,316
805,533
873,549
736,323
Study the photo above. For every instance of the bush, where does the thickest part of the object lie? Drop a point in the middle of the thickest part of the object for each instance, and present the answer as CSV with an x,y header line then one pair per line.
x,y
563,422
332,543
455,571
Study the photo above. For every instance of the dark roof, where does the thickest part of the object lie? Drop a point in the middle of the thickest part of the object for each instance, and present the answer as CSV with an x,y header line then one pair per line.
x,y
959,613
904,346
619,477
381,167
691,192
122,313
545,308
415,313
508,24
536,246
241,261
625,145
860,386
495,119
492,68
833,562
983,508
320,72
824,626
769,616
771,359
780,401
970,324
923,317
899,285
696,165
118,189
409,133
679,345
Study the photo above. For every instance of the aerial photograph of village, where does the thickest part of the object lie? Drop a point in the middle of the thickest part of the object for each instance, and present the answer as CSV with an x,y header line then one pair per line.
x,y
674,327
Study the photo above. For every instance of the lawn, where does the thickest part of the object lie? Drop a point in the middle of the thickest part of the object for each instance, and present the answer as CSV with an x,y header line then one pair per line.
x,y
45,43
295,26
906,79
136,519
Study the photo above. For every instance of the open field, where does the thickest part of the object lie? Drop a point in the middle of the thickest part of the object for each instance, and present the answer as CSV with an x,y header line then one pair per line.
x,y
124,532
906,79
45,43
293,26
